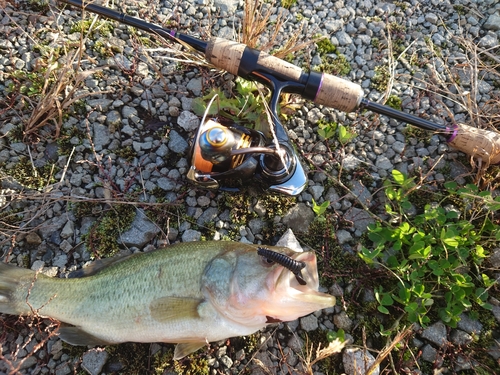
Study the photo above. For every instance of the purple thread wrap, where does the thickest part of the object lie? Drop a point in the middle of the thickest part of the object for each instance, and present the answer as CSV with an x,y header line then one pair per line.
x,y
319,87
454,132
172,33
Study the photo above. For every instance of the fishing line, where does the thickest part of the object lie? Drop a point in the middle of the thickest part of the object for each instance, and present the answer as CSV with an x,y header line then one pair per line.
x,y
289,263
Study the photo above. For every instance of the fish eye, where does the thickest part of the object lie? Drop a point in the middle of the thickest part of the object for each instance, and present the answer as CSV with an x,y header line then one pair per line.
x,y
266,262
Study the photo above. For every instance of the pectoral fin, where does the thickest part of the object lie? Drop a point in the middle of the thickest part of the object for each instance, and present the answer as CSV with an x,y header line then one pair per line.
x,y
182,350
76,336
172,308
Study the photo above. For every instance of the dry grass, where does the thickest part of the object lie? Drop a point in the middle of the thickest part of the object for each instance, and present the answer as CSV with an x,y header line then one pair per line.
x,y
256,22
61,76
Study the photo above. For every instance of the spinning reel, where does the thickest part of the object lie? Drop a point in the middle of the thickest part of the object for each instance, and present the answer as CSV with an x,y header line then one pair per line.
x,y
229,157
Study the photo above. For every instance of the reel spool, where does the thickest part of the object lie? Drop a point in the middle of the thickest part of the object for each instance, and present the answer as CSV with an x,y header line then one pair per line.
x,y
215,156
229,157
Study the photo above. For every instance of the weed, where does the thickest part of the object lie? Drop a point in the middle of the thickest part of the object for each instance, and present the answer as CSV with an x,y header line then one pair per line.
x,y
394,101
288,3
102,237
435,256
328,130
338,65
325,46
319,209
381,78
30,176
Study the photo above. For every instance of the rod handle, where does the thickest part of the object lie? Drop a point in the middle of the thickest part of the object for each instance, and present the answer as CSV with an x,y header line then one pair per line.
x,y
246,62
479,143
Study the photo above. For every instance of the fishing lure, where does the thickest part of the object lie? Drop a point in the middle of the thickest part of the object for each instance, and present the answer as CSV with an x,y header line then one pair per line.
x,y
291,264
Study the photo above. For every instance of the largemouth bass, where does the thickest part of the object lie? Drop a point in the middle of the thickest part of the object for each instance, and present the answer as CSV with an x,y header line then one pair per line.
x,y
189,293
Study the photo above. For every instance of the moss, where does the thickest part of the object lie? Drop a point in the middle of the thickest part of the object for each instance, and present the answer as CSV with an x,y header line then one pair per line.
x,y
31,177
394,101
288,3
127,153
83,209
102,238
64,141
339,65
381,78
104,28
325,46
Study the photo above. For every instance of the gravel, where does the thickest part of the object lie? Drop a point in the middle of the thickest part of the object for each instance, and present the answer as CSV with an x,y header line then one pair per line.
x,y
129,138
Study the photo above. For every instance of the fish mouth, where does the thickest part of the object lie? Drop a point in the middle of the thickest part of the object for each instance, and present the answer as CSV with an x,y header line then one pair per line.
x,y
298,297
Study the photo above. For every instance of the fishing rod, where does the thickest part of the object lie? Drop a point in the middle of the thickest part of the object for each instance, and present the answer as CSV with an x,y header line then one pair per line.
x,y
280,168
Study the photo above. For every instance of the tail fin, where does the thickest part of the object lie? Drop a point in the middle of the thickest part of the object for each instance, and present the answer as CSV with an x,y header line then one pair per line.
x,y
10,277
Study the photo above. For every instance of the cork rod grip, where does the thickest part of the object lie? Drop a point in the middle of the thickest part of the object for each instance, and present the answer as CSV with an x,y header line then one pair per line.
x,y
227,55
339,93
479,143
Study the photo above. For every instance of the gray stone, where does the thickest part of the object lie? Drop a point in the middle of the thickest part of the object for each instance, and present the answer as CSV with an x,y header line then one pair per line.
x,y
195,85
488,41
360,218
209,215
191,235
357,361
113,119
226,361
429,354
141,231
68,230
299,217
343,38
351,162
469,325
342,321
493,22
256,225
436,334
226,5
431,18
188,121
289,240
333,25
100,104
343,236
177,143
459,337
495,258
383,163
101,136
309,323
361,193
316,191
94,360
166,184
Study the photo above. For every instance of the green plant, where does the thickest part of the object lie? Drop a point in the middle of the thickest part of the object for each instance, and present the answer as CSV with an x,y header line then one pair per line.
x,y
394,101
102,237
381,78
325,46
436,255
333,335
319,209
288,3
328,130
338,65
246,108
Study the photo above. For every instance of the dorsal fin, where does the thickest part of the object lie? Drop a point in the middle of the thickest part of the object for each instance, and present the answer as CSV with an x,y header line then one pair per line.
x,y
98,265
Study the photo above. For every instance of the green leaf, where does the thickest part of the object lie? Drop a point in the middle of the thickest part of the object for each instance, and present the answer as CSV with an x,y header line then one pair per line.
x,y
398,176
319,209
383,309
